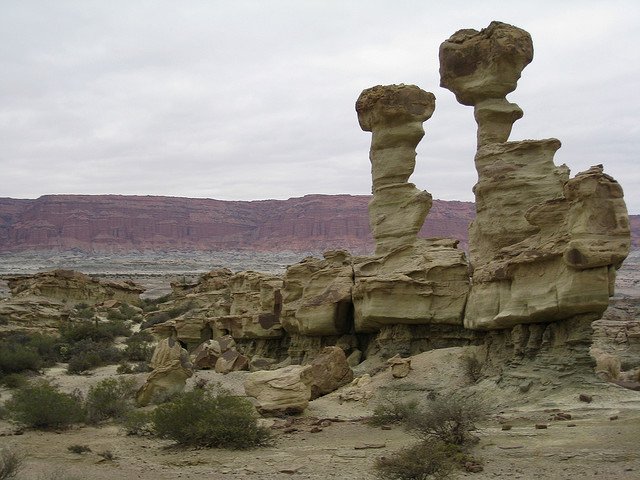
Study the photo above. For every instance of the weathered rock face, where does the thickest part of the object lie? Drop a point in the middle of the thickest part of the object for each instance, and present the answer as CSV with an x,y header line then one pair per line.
x,y
317,295
69,285
409,281
246,305
543,247
280,391
394,114
423,283
171,368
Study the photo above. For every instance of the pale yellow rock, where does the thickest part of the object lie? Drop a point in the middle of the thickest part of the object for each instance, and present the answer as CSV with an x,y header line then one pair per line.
x,y
400,367
317,295
423,283
72,286
280,391
394,114
171,368
543,247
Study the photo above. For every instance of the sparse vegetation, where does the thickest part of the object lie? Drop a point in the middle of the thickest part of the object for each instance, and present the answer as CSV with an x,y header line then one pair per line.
x,y
79,449
392,410
43,406
10,464
13,380
139,347
210,418
449,419
426,460
138,422
110,398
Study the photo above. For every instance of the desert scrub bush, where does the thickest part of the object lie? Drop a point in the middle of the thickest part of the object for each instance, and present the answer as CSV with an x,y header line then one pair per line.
x,y
94,330
151,304
4,320
159,317
10,464
109,398
210,418
138,347
427,460
87,354
449,419
42,406
392,410
13,380
84,311
17,358
138,422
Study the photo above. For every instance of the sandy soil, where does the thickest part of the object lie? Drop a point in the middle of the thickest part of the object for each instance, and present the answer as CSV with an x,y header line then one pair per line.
x,y
600,440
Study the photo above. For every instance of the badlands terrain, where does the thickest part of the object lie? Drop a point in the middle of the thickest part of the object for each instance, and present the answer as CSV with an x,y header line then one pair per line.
x,y
599,440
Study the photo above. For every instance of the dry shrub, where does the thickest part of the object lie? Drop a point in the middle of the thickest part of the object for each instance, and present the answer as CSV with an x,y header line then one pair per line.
x,y
449,419
10,464
427,460
392,410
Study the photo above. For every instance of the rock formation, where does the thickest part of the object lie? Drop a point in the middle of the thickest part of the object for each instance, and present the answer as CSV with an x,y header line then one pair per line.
x,y
74,286
427,279
279,392
543,247
171,368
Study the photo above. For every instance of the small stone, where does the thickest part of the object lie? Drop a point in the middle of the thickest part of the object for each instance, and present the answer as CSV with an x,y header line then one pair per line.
x,y
473,467
315,429
541,426
507,427
386,427
613,417
571,425
585,398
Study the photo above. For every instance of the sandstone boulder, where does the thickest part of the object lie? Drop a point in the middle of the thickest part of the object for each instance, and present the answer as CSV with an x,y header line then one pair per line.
x,y
281,391
400,367
327,372
171,368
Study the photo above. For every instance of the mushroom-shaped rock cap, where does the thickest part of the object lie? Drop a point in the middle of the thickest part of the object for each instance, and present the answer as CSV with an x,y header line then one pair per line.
x,y
392,105
476,65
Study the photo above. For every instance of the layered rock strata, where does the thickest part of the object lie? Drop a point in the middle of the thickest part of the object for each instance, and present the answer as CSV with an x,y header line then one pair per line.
x,y
543,247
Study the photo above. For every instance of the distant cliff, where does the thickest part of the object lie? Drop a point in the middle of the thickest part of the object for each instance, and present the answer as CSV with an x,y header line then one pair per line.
x,y
115,223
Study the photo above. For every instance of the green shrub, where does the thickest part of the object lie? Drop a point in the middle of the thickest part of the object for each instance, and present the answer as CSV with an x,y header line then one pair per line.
x,y
210,419
42,406
16,358
138,422
392,410
109,398
151,304
427,460
86,354
155,318
449,419
13,380
138,347
95,331
10,464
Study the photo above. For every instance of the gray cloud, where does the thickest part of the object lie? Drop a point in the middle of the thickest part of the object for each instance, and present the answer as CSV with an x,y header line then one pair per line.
x,y
253,99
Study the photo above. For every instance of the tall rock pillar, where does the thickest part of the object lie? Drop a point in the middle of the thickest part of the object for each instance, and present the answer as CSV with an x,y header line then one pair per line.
x,y
394,114
543,247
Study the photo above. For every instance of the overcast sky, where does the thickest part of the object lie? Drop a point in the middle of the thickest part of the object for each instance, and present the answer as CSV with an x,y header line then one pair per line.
x,y
245,100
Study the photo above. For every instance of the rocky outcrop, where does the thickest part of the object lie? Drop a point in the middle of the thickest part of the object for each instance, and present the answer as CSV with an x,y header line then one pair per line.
x,y
409,280
69,285
317,295
171,368
427,280
543,247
